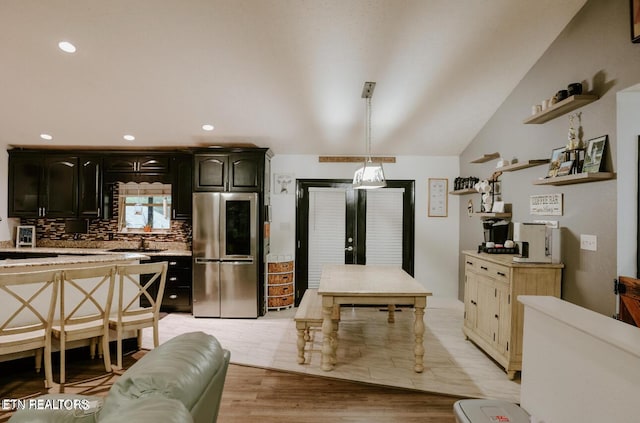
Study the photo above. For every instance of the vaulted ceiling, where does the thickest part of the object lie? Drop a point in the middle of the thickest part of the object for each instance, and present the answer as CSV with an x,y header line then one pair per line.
x,y
284,74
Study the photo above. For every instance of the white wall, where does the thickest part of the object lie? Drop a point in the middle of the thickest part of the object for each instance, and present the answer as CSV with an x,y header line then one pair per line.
x,y
436,238
628,106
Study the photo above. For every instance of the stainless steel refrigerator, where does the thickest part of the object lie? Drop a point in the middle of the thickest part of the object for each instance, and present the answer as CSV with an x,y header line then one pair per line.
x,y
225,248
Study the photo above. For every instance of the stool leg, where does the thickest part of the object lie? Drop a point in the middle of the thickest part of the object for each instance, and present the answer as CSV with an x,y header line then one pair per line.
x,y
92,348
39,359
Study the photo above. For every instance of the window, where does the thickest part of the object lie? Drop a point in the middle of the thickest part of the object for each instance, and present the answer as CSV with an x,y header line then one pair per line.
x,y
144,207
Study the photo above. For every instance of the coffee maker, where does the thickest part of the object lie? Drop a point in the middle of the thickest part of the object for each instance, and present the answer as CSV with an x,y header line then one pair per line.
x,y
495,230
537,243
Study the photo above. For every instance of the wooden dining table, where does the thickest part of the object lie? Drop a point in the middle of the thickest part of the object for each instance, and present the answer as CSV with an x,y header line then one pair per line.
x,y
375,285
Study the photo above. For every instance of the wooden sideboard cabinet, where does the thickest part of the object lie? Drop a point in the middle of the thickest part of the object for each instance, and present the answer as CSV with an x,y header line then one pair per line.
x,y
493,318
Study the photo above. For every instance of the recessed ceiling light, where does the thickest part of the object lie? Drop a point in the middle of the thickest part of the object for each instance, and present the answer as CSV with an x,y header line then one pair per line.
x,y
67,47
208,127
46,137
129,137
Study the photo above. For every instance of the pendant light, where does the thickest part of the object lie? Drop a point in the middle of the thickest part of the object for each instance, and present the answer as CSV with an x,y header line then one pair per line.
x,y
370,175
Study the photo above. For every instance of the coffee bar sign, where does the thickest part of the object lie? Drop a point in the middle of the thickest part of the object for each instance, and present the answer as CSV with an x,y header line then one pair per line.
x,y
546,204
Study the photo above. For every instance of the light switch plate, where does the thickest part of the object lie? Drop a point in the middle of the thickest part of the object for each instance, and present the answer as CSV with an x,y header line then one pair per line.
x,y
588,242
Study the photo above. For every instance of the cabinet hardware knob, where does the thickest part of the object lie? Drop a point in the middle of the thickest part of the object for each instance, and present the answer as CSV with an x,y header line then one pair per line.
x,y
484,268
470,262
173,296
173,279
173,263
496,316
501,274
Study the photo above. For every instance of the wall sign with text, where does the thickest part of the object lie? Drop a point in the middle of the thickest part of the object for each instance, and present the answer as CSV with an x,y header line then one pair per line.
x,y
546,204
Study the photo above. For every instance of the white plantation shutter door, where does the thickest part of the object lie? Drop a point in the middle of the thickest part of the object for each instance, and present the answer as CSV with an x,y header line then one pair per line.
x,y
327,228
384,226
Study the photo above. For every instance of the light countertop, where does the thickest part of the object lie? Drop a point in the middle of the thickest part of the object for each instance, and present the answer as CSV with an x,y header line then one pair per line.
x,y
77,256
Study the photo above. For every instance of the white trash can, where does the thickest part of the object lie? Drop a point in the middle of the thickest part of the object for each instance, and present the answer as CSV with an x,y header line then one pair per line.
x,y
489,411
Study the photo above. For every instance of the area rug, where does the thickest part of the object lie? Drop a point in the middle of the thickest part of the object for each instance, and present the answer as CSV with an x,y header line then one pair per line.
x,y
370,349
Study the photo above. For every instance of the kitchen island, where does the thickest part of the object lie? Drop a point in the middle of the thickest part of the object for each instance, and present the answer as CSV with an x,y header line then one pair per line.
x,y
60,263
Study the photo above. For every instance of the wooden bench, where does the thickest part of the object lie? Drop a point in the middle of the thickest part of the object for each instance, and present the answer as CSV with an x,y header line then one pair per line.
x,y
308,315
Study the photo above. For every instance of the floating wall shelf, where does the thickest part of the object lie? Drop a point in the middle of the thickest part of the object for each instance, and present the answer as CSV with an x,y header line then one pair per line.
x,y
463,191
578,178
522,165
562,107
486,158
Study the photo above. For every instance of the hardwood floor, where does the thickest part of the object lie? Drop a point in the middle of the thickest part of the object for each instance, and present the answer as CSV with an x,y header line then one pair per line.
x,y
254,394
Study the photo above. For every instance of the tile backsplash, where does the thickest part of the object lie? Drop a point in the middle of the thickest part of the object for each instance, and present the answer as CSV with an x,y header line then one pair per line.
x,y
52,231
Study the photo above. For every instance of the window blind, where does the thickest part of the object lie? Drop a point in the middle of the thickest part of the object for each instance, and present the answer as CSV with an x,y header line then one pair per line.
x,y
327,228
384,226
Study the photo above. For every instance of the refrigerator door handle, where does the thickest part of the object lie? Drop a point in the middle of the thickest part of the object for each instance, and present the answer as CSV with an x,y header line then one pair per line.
x,y
199,260
238,261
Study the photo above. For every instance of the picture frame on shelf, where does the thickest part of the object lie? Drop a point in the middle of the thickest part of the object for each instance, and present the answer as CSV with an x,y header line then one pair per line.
x,y
25,236
635,20
594,154
565,168
557,158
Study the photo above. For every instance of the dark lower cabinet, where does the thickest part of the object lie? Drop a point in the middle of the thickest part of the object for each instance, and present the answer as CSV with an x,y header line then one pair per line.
x,y
177,291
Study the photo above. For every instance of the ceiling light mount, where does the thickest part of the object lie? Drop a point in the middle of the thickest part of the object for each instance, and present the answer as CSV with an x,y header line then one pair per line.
x,y
370,175
367,90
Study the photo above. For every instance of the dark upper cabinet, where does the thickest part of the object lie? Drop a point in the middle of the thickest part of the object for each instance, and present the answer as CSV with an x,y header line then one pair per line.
x,y
210,172
52,185
137,163
89,186
229,172
25,179
182,185
60,195
42,186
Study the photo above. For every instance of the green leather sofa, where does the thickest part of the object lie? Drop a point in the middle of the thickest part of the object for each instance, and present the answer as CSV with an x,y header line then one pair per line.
x,y
180,381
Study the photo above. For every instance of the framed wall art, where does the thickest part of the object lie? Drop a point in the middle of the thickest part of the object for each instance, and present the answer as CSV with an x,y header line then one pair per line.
x,y
438,199
283,183
635,20
594,154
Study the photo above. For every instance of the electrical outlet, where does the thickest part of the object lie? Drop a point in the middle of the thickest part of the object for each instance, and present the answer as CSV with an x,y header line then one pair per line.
x,y
589,242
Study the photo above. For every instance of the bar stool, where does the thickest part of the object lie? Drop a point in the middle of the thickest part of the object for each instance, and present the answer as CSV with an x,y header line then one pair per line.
x,y
85,303
27,315
148,280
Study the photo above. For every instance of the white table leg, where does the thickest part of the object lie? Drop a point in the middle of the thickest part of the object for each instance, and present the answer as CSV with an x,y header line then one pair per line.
x,y
418,349
328,358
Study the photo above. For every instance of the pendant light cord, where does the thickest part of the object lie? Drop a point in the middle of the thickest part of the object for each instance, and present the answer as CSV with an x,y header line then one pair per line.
x,y
368,129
